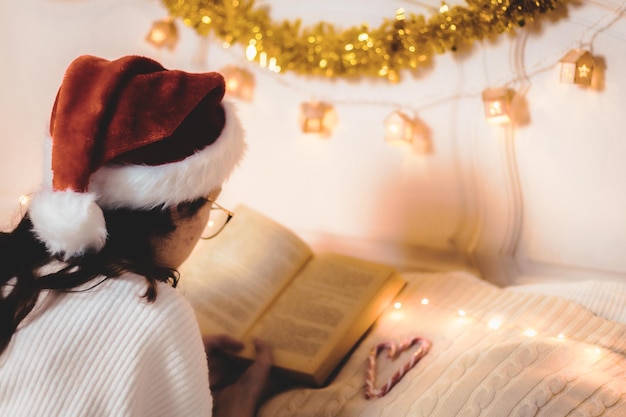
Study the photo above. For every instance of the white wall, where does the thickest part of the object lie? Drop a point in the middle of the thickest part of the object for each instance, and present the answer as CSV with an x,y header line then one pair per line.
x,y
353,184
571,159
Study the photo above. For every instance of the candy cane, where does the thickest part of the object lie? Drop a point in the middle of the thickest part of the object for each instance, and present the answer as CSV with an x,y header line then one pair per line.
x,y
393,350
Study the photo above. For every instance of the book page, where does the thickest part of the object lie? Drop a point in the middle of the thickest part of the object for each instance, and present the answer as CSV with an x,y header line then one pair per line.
x,y
320,306
232,278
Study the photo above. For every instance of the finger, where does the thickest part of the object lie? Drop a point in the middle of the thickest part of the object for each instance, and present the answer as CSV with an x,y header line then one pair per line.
x,y
222,342
263,352
256,376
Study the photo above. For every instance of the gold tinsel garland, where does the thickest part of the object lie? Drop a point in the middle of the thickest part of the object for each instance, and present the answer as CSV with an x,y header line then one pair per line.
x,y
404,42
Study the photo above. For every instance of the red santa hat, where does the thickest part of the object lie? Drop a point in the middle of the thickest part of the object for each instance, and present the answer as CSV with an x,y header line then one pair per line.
x,y
130,134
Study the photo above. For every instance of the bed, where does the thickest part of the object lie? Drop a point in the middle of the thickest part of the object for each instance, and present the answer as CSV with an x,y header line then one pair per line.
x,y
495,352
515,331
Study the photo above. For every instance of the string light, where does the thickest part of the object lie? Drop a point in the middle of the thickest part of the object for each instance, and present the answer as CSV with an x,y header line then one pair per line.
x,y
397,313
317,117
256,45
577,67
447,327
163,33
402,129
24,199
239,82
399,128
495,323
530,332
497,103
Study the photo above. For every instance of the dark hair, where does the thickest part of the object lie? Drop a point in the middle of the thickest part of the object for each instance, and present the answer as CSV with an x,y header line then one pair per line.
x,y
129,248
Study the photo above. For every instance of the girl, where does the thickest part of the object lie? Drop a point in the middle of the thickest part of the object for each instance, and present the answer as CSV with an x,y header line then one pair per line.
x,y
90,324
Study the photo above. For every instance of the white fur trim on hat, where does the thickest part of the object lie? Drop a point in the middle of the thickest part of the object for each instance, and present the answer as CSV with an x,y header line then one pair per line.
x,y
68,222
145,187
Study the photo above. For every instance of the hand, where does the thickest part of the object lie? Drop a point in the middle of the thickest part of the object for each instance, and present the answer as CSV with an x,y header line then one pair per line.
x,y
223,369
237,390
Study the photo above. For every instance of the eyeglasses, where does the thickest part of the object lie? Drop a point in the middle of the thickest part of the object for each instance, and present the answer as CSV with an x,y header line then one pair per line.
x,y
218,219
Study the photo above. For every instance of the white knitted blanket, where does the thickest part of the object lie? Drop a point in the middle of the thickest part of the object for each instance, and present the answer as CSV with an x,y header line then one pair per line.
x,y
495,352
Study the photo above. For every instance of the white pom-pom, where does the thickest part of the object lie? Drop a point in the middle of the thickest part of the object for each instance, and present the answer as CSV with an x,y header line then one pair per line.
x,y
68,222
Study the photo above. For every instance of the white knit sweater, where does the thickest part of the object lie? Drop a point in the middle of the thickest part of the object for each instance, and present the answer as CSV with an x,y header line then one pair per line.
x,y
107,352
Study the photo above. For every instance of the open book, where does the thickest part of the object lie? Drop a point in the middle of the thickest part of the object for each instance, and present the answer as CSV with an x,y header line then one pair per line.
x,y
259,279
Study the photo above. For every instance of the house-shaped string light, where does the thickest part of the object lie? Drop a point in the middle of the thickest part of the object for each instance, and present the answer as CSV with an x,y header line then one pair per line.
x,y
497,103
401,129
317,117
239,82
577,67
163,33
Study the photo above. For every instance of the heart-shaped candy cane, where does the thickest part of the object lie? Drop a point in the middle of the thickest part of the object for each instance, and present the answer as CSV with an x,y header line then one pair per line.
x,y
423,345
